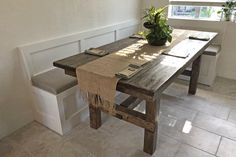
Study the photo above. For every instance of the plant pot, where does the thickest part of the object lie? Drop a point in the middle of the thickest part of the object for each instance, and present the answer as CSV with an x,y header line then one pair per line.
x,y
158,42
149,25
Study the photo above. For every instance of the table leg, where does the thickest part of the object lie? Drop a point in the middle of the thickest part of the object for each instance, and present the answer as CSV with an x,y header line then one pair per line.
x,y
194,76
150,137
95,117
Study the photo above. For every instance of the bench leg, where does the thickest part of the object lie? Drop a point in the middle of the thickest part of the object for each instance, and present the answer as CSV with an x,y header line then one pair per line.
x,y
150,137
194,76
95,117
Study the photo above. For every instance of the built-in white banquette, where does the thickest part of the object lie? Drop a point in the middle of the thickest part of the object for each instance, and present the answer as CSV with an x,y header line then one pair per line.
x,y
57,102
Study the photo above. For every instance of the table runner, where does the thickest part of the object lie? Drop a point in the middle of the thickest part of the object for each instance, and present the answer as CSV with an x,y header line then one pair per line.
x,y
97,79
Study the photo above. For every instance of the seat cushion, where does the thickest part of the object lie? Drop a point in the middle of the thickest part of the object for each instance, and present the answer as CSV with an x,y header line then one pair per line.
x,y
54,81
212,50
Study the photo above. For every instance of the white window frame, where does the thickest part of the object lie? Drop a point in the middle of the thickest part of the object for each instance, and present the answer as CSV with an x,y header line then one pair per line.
x,y
215,3
198,2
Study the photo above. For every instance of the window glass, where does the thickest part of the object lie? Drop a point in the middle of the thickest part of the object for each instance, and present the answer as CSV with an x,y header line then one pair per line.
x,y
194,12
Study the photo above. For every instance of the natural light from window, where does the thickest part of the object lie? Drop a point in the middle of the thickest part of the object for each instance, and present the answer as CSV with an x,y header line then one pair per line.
x,y
195,9
194,12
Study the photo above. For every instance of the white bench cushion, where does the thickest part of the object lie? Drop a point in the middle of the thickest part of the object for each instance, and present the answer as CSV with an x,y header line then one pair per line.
x,y
54,81
212,50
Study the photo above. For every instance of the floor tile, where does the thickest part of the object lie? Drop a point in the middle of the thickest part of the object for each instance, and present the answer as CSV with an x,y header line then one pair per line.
x,y
34,132
104,143
67,149
196,137
177,90
227,148
188,151
36,139
200,104
225,86
179,112
225,101
203,105
166,147
10,149
176,111
232,116
216,125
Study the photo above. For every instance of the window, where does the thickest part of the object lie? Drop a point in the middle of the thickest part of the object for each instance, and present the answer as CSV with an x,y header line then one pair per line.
x,y
194,12
195,9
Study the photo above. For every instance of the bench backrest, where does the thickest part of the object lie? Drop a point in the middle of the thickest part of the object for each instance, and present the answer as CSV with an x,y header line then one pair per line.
x,y
38,57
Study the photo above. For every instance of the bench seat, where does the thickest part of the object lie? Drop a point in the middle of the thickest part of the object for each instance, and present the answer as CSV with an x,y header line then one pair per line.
x,y
57,101
54,81
212,50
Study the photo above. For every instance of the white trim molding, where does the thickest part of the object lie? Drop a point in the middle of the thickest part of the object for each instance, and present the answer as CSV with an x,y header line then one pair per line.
x,y
60,40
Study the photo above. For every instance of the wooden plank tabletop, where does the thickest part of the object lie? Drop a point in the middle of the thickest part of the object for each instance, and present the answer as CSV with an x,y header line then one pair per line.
x,y
155,76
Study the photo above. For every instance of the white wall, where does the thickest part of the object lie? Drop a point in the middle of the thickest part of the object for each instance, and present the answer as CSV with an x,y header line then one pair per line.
x,y
226,65
25,21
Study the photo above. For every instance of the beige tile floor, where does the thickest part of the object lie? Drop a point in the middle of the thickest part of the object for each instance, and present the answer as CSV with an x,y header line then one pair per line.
x,y
211,115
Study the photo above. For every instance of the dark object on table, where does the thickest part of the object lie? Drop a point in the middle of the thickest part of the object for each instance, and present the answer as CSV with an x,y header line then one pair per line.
x,y
128,72
201,37
136,36
96,52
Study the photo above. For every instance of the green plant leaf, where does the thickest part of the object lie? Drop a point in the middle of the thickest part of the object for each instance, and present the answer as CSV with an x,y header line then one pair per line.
x,y
157,18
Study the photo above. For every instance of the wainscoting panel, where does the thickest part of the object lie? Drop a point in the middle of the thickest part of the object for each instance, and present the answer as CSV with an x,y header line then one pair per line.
x,y
43,59
126,32
38,56
99,40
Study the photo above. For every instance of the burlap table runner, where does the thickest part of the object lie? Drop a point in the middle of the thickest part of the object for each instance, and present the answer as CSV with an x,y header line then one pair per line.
x,y
97,78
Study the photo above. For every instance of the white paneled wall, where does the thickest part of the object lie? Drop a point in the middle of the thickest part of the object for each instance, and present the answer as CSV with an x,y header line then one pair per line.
x,y
39,56
98,40
125,32
49,55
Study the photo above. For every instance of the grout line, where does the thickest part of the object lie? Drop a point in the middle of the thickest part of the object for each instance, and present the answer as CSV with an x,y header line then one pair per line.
x,y
215,133
199,149
188,144
198,112
182,99
218,145
229,114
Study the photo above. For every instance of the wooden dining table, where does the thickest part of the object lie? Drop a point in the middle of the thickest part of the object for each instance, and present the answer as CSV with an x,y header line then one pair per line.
x,y
147,85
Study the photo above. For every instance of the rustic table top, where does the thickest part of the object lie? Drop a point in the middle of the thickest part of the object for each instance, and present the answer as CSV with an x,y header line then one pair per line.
x,y
155,76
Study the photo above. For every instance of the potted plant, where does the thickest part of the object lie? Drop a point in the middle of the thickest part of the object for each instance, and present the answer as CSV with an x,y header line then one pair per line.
x,y
227,9
158,31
